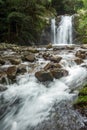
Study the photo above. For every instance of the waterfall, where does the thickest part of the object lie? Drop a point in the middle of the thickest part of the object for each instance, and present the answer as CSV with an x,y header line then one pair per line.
x,y
53,31
63,33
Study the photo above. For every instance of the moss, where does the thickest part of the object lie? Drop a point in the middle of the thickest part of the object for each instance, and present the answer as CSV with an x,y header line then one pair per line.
x,y
82,98
83,92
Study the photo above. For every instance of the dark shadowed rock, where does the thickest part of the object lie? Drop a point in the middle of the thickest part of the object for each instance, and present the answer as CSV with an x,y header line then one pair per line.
x,y
44,76
21,69
3,76
46,56
2,61
11,72
2,88
78,61
15,61
81,54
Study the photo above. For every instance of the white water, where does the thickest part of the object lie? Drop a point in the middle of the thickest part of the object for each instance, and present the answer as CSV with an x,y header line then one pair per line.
x,y
36,99
63,33
53,31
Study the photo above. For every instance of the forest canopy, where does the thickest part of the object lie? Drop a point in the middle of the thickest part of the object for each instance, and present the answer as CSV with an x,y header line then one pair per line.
x,y
22,21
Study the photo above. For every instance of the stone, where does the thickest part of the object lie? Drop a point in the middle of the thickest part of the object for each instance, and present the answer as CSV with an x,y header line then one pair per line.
x,y
43,76
59,73
52,66
30,58
49,46
3,76
81,54
46,56
55,59
2,88
11,72
15,61
78,61
21,69
2,61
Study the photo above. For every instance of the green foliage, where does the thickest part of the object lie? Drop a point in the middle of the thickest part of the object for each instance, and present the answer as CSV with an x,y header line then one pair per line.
x,y
67,6
82,97
23,20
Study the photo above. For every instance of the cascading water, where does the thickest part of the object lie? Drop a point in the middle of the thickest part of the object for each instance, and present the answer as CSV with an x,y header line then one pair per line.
x,y
53,31
31,105
63,33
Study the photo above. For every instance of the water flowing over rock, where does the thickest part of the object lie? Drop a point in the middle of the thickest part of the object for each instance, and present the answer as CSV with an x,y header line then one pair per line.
x,y
46,103
62,34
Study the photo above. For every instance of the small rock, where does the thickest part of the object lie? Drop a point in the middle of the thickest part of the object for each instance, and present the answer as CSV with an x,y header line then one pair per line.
x,y
21,69
15,61
78,61
2,88
52,66
81,54
56,59
49,46
2,61
11,72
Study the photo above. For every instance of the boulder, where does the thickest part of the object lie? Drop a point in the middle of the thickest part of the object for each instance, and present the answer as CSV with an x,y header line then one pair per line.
x,y
43,76
78,61
52,65
11,72
81,54
55,59
15,61
59,73
30,58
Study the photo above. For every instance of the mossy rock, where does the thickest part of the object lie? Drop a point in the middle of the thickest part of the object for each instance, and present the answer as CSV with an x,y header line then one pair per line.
x,y
83,92
82,98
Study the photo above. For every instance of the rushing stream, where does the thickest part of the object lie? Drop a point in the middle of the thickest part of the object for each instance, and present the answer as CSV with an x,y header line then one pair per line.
x,y
29,104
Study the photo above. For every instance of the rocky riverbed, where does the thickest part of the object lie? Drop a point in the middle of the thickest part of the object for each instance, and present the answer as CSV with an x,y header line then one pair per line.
x,y
46,63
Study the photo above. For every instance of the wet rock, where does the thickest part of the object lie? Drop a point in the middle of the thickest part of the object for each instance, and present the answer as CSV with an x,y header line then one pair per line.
x,y
70,47
78,61
59,73
44,76
2,88
46,56
2,61
32,50
81,54
52,66
15,61
11,72
49,46
3,76
55,59
30,58
21,69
